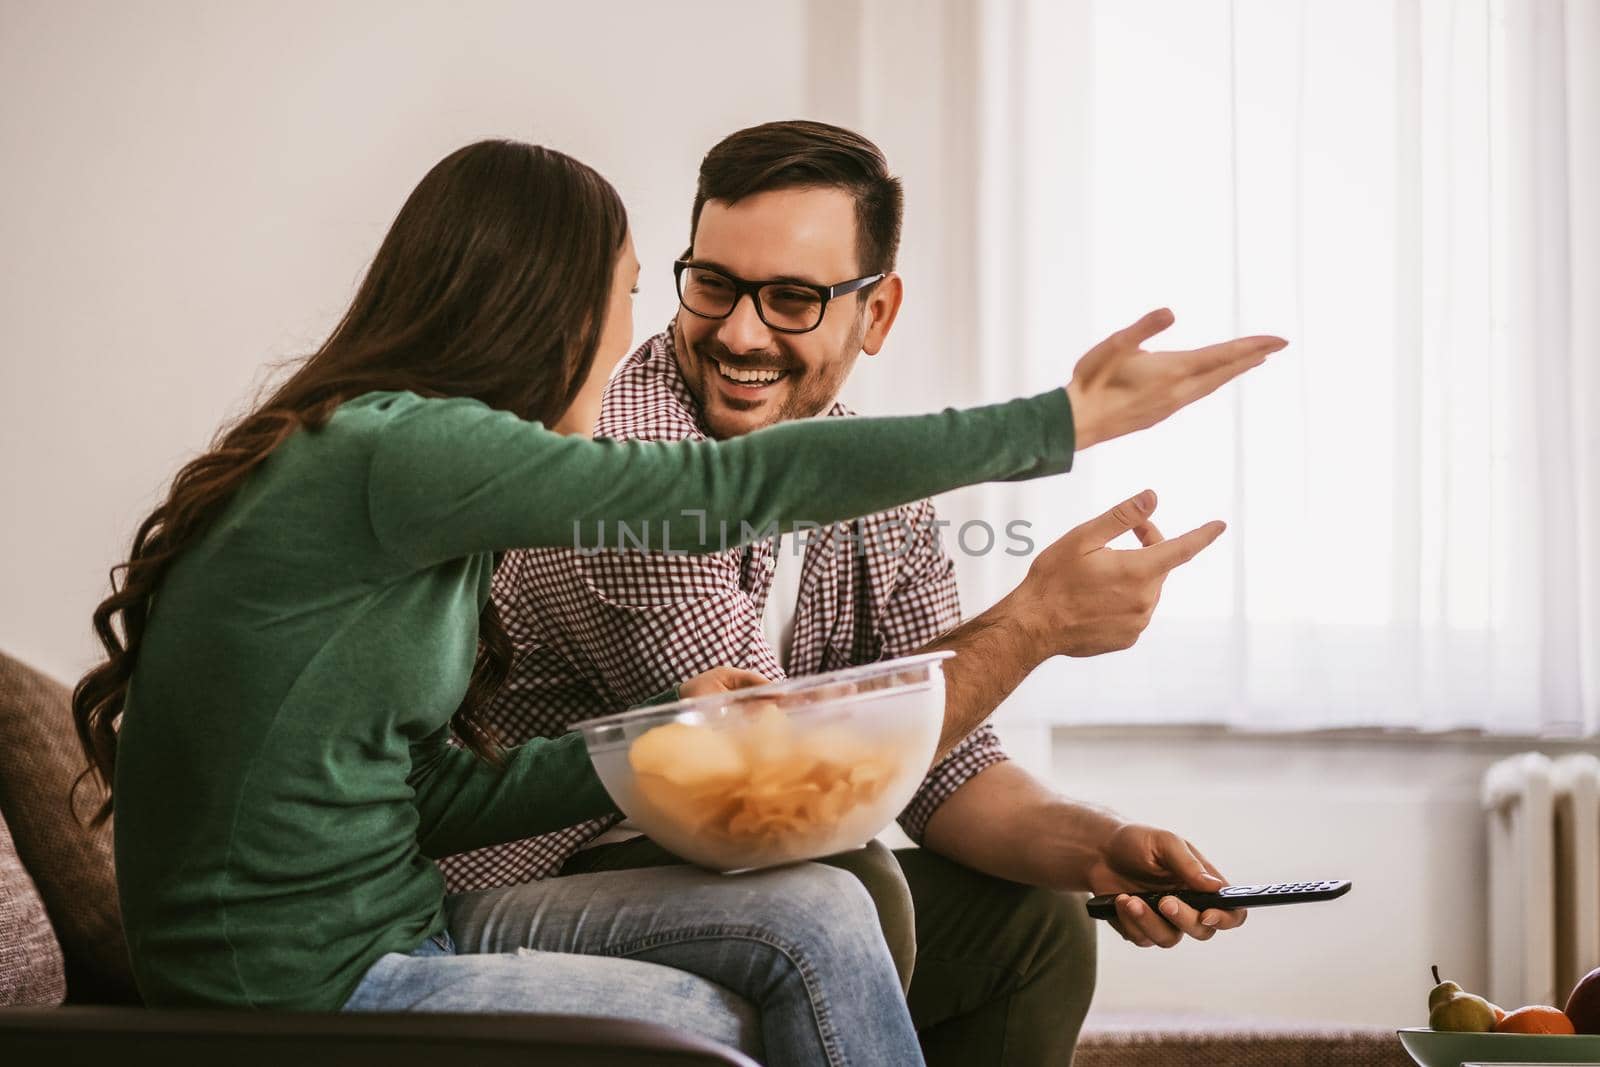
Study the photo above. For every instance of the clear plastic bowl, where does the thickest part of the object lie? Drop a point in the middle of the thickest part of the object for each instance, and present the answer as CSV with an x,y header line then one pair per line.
x,y
776,773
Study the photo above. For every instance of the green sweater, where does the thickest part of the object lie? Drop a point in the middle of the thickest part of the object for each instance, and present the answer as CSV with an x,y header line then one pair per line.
x,y
283,778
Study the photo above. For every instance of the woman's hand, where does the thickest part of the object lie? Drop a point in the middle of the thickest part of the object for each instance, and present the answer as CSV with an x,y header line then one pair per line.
x,y
1118,387
719,680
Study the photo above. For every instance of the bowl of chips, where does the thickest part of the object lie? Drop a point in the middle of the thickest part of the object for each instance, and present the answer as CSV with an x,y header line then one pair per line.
x,y
776,773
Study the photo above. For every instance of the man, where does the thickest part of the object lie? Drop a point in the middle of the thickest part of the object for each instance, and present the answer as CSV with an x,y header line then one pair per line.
x,y
1004,957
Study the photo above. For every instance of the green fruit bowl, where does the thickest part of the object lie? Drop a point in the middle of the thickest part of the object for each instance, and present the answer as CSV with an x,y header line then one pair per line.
x,y
1442,1048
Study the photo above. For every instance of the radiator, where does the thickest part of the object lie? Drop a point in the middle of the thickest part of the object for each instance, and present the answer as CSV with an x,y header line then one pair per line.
x,y
1543,819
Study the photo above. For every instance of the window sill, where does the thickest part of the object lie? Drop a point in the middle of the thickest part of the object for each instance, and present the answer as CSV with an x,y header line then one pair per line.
x,y
1475,740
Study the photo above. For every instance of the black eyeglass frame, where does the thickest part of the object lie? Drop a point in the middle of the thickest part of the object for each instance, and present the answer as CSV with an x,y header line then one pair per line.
x,y
742,288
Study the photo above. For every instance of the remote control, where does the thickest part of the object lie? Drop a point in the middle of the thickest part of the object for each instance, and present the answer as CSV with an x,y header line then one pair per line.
x,y
1230,896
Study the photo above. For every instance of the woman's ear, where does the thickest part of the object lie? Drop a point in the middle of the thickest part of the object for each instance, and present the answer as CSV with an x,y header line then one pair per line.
x,y
882,307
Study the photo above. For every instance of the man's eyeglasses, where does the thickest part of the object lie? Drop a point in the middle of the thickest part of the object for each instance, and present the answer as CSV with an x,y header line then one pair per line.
x,y
788,307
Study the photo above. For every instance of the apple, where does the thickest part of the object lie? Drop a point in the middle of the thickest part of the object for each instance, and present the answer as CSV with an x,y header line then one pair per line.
x,y
1583,1007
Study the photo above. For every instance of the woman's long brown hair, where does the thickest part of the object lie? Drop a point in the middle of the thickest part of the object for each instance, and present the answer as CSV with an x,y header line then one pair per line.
x,y
492,283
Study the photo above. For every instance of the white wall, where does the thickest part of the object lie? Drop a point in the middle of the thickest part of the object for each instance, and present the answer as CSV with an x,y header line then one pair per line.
x,y
192,189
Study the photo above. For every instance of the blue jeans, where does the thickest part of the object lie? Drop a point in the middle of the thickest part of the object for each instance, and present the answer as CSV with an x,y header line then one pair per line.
x,y
788,965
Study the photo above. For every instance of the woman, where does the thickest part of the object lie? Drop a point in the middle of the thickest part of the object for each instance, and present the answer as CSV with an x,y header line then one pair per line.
x,y
304,624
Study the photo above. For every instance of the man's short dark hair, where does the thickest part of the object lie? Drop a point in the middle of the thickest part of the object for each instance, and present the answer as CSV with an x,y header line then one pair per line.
x,y
803,154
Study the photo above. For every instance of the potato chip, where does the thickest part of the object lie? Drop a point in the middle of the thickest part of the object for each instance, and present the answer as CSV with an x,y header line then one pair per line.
x,y
687,754
681,806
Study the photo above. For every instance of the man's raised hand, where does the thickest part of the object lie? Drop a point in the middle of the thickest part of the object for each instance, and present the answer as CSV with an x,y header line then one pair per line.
x,y
1083,598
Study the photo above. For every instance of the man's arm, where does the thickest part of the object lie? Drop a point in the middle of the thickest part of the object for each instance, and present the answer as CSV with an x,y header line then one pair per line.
x,y
1007,823
994,653
1080,598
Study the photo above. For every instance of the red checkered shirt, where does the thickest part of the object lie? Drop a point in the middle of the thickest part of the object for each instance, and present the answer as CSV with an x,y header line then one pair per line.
x,y
596,632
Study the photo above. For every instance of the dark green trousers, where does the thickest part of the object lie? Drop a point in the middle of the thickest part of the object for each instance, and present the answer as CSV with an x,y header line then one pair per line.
x,y
999,973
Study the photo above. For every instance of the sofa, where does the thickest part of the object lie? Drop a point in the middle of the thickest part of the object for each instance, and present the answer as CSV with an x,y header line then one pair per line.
x,y
67,994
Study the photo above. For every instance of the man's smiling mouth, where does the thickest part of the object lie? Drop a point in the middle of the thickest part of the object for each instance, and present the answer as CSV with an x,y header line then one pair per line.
x,y
750,378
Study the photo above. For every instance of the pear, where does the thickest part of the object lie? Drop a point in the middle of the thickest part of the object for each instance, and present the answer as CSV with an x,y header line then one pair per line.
x,y
1466,1013
1463,1013
1442,991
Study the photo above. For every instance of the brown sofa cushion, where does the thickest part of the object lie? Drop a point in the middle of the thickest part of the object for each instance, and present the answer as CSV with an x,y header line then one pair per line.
x,y
30,959
70,864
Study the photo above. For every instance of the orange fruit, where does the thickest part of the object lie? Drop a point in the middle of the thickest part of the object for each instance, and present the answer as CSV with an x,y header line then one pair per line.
x,y
1535,1019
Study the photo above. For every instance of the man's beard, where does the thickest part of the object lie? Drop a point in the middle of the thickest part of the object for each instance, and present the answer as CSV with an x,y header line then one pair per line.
x,y
807,393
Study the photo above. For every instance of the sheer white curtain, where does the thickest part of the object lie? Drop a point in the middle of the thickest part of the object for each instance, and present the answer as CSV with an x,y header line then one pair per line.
x,y
1410,191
